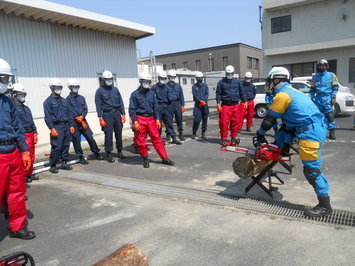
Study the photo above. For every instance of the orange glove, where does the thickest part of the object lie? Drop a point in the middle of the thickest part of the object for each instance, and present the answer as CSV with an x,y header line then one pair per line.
x,y
54,133
102,122
219,108
123,119
137,127
245,105
79,119
84,125
35,138
183,109
72,130
202,104
26,160
157,122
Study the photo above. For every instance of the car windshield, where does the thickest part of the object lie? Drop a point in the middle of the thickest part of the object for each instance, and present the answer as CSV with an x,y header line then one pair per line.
x,y
305,88
260,89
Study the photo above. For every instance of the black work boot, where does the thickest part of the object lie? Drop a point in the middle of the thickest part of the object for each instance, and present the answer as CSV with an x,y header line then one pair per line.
x,y
181,136
28,179
23,234
53,169
203,134
193,135
168,137
167,161
120,154
109,157
176,141
65,166
34,177
223,142
145,162
235,142
248,129
83,160
332,134
98,156
323,208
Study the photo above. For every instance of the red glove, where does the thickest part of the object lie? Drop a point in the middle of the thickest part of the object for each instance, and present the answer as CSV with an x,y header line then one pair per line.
x,y
79,119
137,127
72,130
35,138
219,108
245,105
54,133
157,122
102,122
183,109
202,104
84,125
26,160
123,119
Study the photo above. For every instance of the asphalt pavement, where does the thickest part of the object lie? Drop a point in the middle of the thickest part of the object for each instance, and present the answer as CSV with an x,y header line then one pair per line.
x,y
78,223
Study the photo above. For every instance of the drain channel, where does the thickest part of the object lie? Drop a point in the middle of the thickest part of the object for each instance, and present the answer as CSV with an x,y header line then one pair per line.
x,y
294,211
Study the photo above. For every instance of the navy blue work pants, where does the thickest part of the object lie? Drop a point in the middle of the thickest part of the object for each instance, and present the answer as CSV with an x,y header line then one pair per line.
x,y
76,138
165,114
60,145
200,113
113,124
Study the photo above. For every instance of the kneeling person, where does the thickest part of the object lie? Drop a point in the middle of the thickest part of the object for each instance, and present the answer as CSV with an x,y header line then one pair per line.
x,y
143,110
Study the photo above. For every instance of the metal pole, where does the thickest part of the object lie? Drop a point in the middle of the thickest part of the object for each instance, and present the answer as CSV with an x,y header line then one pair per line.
x,y
58,166
210,62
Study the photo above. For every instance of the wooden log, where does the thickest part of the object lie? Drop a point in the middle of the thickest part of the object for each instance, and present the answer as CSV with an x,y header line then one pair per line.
x,y
127,255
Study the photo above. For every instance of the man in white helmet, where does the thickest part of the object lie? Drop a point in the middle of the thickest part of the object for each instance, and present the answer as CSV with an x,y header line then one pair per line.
x,y
250,92
230,99
25,116
201,110
162,93
176,96
299,114
60,122
14,160
144,113
79,110
111,113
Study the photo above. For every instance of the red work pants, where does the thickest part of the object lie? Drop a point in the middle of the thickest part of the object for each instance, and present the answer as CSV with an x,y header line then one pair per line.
x,y
249,114
13,186
148,125
230,117
31,148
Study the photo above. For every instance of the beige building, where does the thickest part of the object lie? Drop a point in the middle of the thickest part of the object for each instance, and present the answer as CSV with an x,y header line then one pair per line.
x,y
297,33
243,57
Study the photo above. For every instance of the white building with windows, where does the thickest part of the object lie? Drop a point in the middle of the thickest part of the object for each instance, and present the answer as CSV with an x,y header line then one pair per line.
x,y
297,33
42,40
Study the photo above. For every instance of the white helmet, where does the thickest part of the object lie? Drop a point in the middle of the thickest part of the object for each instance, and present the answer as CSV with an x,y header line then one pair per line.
x,y
107,74
55,82
73,83
172,73
144,76
5,67
19,88
162,74
279,73
229,69
199,74
322,62
248,75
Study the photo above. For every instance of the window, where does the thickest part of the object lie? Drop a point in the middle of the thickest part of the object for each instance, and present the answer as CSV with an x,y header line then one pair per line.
x,y
164,66
260,89
281,24
184,81
301,87
192,81
352,69
198,65
301,69
173,65
211,64
249,62
224,61
186,65
255,63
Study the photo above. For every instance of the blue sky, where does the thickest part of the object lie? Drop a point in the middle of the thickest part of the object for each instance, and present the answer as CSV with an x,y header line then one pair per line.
x,y
184,25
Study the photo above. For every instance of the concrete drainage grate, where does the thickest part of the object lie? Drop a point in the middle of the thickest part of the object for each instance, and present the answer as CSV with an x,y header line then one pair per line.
x,y
294,211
